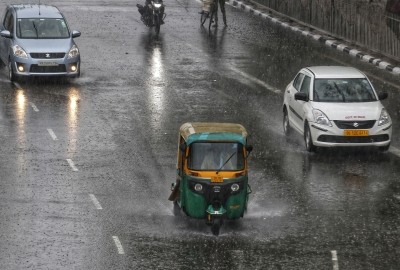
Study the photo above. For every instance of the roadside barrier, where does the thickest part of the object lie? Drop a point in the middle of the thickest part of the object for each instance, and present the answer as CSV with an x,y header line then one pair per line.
x,y
318,36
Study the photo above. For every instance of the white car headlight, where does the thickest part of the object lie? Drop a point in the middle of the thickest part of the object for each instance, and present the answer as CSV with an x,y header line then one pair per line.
x,y
384,118
73,52
19,52
320,118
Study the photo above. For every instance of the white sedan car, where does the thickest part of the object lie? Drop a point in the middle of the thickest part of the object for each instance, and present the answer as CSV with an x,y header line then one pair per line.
x,y
336,106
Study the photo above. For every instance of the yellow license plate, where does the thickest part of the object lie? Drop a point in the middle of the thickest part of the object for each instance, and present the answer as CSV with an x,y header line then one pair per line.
x,y
356,132
217,179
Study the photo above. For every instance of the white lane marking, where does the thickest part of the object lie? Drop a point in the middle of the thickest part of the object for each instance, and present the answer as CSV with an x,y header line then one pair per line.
x,y
255,80
52,134
34,107
395,151
71,163
95,201
335,260
244,74
119,245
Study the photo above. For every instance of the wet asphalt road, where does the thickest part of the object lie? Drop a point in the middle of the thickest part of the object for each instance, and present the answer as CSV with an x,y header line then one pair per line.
x,y
86,164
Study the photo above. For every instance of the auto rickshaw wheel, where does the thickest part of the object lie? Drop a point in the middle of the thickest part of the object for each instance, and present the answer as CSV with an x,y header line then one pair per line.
x,y
215,226
177,209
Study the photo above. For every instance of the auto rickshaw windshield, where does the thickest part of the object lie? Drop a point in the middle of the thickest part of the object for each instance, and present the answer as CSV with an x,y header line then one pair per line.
x,y
209,156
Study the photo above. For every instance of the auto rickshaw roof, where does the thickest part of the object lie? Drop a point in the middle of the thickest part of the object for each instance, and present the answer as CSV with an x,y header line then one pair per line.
x,y
206,131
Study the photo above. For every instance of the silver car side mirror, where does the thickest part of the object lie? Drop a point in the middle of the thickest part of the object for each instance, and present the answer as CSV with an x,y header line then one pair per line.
x,y
6,34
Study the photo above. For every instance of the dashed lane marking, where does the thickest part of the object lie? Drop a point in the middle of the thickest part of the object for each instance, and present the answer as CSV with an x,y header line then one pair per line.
x,y
395,151
335,260
95,202
244,74
119,245
72,165
34,107
52,134
256,80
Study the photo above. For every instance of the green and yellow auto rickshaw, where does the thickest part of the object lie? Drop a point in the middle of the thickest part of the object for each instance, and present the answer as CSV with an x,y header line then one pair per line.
x,y
212,172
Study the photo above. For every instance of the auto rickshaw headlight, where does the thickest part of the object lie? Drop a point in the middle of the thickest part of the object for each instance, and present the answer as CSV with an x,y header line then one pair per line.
x,y
235,187
198,187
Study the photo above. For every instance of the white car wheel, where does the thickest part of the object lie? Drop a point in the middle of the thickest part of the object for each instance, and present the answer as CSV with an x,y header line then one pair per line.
x,y
308,139
286,125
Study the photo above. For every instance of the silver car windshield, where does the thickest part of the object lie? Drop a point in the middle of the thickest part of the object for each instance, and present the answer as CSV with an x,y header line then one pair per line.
x,y
42,28
343,90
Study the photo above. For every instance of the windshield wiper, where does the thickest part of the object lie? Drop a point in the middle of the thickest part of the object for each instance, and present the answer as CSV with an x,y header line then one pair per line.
x,y
225,162
34,26
339,91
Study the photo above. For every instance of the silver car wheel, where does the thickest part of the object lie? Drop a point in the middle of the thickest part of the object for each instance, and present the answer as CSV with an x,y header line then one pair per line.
x,y
11,75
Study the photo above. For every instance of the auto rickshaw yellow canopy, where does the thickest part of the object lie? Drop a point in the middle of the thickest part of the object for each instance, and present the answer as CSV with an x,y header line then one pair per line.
x,y
195,131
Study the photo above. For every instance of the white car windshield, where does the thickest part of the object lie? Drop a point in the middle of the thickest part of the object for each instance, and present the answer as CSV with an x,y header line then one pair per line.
x,y
42,28
343,90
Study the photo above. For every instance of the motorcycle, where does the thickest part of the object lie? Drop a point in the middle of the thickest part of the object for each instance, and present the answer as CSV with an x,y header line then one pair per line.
x,y
152,14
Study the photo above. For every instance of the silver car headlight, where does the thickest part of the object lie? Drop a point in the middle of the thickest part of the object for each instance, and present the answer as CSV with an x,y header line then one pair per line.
x,y
320,118
73,52
384,118
19,52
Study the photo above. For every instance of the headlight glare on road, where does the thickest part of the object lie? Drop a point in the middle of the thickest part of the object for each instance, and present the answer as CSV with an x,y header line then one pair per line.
x,y
19,52
384,118
320,118
198,187
73,52
235,187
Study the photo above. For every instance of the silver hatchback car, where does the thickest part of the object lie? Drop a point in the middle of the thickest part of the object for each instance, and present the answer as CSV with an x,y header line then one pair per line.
x,y
36,41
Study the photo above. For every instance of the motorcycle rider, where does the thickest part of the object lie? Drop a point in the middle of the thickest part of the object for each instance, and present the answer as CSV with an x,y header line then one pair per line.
x,y
145,11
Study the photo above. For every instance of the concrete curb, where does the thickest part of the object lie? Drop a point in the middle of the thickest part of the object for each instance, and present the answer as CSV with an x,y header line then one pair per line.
x,y
333,43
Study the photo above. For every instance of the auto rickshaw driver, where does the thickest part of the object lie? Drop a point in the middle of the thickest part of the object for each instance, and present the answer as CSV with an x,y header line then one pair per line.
x,y
217,157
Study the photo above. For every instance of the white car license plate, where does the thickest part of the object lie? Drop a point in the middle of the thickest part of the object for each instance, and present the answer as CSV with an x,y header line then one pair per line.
x,y
355,132
47,63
